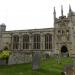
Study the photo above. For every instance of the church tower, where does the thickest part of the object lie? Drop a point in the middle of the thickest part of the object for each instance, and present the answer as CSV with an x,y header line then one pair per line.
x,y
63,33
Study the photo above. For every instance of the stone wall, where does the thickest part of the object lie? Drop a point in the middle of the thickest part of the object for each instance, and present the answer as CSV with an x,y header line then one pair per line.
x,y
18,58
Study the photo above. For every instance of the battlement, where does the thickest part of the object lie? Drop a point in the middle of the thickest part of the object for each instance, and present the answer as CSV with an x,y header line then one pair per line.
x,y
62,18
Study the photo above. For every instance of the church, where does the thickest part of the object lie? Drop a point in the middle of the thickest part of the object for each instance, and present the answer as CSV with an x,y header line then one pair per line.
x,y
57,40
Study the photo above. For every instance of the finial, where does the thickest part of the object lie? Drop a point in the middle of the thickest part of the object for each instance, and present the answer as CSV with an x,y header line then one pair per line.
x,y
54,13
61,10
54,10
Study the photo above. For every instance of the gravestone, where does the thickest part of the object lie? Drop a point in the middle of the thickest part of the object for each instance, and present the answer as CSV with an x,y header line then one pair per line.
x,y
2,62
36,60
11,59
58,58
47,56
73,59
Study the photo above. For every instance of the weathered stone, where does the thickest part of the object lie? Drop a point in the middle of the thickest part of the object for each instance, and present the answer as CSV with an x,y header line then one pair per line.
x,y
2,62
36,60
69,69
17,58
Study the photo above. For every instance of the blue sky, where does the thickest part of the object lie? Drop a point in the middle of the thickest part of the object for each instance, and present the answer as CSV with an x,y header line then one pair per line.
x,y
31,14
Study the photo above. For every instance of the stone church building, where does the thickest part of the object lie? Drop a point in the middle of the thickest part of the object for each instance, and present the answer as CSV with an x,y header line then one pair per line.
x,y
60,39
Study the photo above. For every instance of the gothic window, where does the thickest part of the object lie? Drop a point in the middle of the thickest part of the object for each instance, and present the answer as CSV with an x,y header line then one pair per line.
x,y
15,42
25,41
36,41
67,30
62,32
48,41
58,31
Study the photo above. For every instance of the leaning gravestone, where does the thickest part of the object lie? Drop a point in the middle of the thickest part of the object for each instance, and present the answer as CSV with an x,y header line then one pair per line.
x,y
36,60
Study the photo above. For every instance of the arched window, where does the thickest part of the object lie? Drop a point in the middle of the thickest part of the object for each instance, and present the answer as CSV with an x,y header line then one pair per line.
x,y
36,41
15,42
48,41
25,41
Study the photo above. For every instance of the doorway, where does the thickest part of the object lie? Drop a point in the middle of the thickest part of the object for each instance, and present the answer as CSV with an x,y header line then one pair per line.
x,y
64,51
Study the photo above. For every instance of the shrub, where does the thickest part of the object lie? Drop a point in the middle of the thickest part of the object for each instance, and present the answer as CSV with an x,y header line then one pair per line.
x,y
4,54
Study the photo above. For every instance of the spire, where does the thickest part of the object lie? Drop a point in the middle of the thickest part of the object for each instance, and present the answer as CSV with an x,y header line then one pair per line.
x,y
61,10
54,10
70,10
54,13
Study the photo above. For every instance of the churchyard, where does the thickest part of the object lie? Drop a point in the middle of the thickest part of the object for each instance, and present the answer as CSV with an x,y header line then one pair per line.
x,y
48,66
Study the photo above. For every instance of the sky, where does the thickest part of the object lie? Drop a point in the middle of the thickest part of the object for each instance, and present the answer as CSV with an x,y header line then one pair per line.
x,y
31,14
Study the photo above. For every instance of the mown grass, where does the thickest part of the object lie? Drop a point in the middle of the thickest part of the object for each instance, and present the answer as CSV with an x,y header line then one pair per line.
x,y
47,67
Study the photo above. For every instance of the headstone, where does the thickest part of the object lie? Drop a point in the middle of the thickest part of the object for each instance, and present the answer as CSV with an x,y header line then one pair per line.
x,y
36,60
11,59
2,62
47,56
73,59
58,59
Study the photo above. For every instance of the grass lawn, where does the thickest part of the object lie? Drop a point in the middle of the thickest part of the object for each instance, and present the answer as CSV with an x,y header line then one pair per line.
x,y
47,67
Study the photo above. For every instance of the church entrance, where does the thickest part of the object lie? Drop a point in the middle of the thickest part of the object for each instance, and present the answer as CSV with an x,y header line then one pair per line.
x,y
64,51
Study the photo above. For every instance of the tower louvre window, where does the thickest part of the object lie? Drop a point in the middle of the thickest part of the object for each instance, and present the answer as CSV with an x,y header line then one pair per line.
x,y
67,30
63,32
58,31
